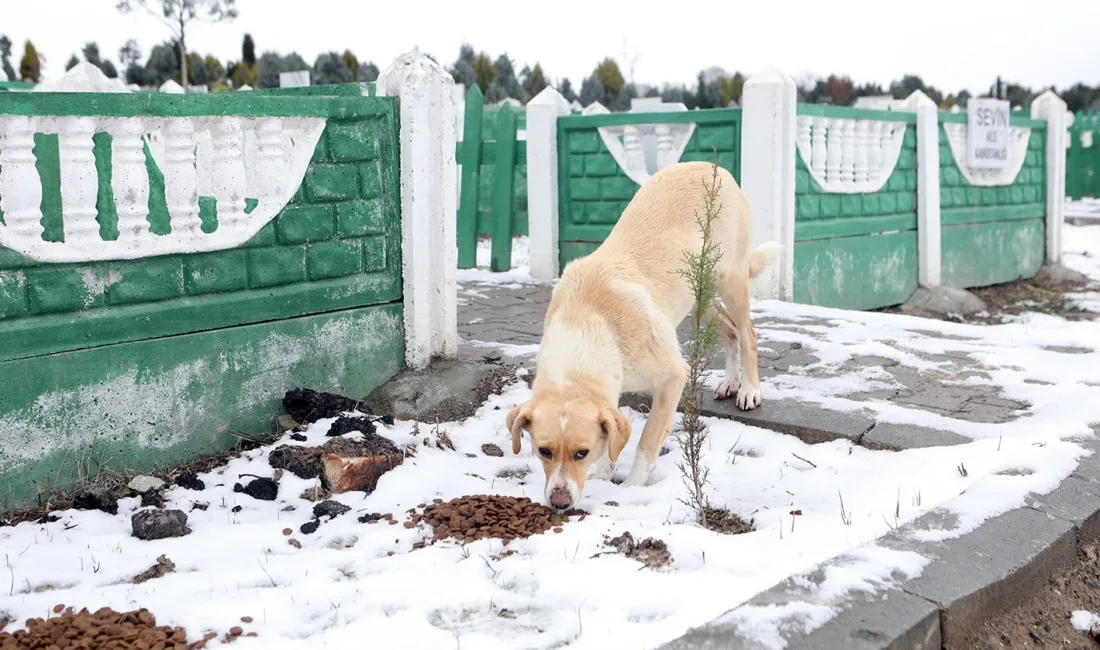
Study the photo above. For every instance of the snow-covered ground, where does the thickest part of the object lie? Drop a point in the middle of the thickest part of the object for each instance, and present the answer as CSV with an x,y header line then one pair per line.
x,y
344,588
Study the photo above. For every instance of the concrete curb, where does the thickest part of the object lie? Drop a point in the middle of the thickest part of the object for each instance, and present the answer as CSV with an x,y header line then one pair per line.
x,y
971,578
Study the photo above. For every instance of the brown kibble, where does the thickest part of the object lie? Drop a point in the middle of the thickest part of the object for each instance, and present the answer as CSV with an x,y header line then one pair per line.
x,y
246,619
287,532
293,542
252,634
105,628
236,630
558,530
57,609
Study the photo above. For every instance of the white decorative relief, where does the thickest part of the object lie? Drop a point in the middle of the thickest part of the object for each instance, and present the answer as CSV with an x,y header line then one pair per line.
x,y
229,158
1017,153
849,156
642,149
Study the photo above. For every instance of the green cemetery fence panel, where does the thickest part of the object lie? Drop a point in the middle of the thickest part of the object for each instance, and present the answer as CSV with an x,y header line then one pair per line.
x,y
127,365
857,251
593,191
992,235
481,203
1083,157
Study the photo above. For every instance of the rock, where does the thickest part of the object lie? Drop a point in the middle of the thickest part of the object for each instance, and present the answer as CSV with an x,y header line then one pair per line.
x,y
346,424
943,300
447,391
142,484
303,462
189,481
159,524
490,449
1057,274
308,406
285,423
330,509
351,465
263,489
310,527
315,494
96,499
492,356
152,499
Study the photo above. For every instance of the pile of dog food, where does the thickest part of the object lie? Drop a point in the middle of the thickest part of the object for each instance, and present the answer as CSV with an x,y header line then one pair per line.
x,y
488,516
104,628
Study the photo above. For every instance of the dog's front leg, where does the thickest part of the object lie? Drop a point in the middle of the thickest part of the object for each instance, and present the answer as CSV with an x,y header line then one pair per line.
x,y
666,396
603,469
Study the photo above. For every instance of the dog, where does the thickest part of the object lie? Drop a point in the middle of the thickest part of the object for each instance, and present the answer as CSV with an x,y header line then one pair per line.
x,y
611,327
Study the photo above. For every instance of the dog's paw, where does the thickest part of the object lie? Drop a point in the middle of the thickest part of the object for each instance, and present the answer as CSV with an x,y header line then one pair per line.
x,y
748,398
726,389
602,470
639,473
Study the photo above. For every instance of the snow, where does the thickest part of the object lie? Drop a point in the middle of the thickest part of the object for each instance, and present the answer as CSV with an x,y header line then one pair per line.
x,y
343,586
1084,621
519,275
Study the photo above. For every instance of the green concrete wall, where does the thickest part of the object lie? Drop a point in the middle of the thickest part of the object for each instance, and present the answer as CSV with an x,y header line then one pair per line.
x,y
993,235
140,363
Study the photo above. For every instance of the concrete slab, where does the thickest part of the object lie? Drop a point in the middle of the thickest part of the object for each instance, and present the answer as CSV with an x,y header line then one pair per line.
x,y
1076,500
990,570
895,437
893,620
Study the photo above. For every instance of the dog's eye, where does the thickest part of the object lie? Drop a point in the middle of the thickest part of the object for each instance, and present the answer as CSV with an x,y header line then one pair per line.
x,y
581,453
546,453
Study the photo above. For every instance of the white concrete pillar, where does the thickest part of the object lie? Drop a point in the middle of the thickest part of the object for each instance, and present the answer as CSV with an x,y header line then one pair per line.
x,y
1051,108
929,228
542,181
768,150
429,200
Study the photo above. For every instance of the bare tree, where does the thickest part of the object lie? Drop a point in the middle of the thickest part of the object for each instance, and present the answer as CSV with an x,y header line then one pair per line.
x,y
178,14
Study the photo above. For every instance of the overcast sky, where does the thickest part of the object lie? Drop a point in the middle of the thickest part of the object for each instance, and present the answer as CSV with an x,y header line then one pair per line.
x,y
951,44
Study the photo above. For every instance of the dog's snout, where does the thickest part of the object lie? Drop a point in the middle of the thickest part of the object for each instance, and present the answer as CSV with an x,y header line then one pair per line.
x,y
559,498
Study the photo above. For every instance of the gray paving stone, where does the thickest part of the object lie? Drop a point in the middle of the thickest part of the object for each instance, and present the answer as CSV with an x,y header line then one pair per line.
x,y
972,412
895,437
893,620
1076,500
990,570
946,398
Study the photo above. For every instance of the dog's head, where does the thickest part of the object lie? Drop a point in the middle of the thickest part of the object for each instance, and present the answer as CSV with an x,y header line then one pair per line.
x,y
568,435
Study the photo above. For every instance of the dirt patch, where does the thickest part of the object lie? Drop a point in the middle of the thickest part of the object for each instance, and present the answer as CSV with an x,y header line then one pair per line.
x,y
308,406
652,553
104,628
368,445
303,462
163,567
485,516
1043,294
1044,619
721,520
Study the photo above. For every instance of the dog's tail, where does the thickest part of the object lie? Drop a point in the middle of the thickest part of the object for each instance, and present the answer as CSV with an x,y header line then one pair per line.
x,y
762,256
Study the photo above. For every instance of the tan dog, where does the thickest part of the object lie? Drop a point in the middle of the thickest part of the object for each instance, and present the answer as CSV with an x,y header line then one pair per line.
x,y
611,327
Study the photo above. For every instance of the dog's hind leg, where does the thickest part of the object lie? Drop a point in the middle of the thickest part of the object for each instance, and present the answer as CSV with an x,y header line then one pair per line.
x,y
728,387
733,286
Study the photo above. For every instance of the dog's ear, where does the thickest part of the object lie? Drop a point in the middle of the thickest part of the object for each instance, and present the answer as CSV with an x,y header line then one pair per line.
x,y
616,429
518,420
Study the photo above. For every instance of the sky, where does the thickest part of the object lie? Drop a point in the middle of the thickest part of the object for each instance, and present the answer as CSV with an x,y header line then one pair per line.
x,y
951,44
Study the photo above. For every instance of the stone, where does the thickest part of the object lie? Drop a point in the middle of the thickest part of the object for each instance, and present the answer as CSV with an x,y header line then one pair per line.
x,y
96,499
150,525
448,391
489,449
1059,274
143,484
356,465
285,423
330,509
303,462
889,436
943,300
889,619
989,570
